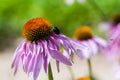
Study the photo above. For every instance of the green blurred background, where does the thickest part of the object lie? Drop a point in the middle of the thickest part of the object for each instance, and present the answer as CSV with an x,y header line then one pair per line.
x,y
66,14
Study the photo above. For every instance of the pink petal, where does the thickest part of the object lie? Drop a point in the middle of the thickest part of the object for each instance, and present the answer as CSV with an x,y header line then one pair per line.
x,y
37,65
59,57
101,42
93,47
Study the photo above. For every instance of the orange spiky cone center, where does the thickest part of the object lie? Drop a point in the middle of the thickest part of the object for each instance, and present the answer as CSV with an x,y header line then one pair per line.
x,y
116,19
37,29
84,78
83,33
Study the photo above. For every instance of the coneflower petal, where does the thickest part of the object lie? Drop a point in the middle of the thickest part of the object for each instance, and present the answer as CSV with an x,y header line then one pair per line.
x,y
46,55
31,65
17,56
27,62
93,47
59,57
17,52
100,42
37,65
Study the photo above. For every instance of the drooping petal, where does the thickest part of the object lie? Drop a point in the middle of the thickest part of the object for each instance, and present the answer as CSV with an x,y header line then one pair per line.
x,y
55,44
27,62
93,47
18,52
64,41
64,44
100,42
17,56
38,64
32,60
59,57
77,45
28,56
46,62
83,53
31,65
29,59
46,56
16,64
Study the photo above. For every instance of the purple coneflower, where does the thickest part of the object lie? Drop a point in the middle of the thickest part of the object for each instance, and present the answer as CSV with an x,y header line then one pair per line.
x,y
113,50
94,44
114,43
115,26
112,27
41,42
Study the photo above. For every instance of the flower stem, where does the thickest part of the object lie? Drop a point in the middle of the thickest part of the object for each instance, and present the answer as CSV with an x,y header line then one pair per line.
x,y
90,70
71,73
50,75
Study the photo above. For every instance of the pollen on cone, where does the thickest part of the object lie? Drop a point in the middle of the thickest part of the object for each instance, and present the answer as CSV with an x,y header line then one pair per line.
x,y
83,33
36,29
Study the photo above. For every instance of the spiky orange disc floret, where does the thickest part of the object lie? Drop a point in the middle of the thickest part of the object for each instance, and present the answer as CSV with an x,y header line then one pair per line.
x,y
83,33
36,29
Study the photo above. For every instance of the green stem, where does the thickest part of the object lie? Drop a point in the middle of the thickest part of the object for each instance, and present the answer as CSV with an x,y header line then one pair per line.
x,y
90,70
50,75
89,66
71,73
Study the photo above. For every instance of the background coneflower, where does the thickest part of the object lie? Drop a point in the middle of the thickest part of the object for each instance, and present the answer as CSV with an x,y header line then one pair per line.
x,y
111,27
94,44
113,48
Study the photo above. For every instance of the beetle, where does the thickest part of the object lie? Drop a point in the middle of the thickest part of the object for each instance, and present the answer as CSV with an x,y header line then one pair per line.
x,y
56,30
